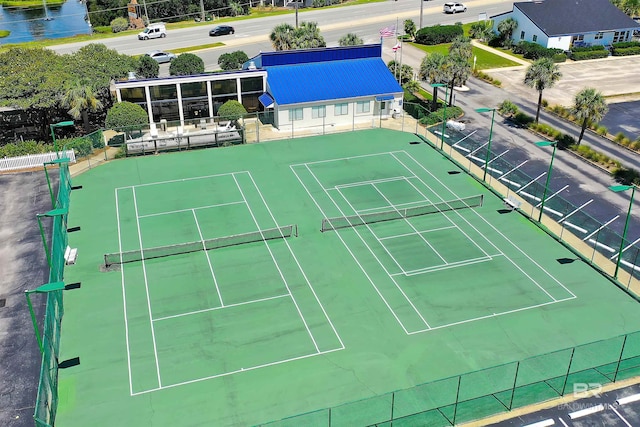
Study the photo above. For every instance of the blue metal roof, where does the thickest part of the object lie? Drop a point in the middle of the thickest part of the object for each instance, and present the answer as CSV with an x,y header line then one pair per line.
x,y
321,81
321,54
266,100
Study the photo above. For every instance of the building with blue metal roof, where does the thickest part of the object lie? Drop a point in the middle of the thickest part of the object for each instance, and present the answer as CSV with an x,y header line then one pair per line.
x,y
327,86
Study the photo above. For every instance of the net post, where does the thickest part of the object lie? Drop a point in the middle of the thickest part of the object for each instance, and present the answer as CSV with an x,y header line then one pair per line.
x,y
296,230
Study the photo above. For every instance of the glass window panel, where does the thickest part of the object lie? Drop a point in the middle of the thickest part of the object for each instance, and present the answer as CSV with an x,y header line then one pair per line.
x,y
224,87
193,90
251,84
133,94
163,92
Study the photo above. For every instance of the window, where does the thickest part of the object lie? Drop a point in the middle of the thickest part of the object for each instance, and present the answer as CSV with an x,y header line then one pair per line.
x,y
619,36
363,107
318,112
599,36
521,35
535,37
295,114
341,109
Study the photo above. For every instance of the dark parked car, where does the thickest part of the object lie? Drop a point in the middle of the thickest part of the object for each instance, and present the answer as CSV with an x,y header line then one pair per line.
x,y
161,56
222,30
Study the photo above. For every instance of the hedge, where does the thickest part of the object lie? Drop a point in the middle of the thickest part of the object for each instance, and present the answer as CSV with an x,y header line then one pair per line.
x,y
623,45
436,116
582,55
438,34
587,48
534,51
626,51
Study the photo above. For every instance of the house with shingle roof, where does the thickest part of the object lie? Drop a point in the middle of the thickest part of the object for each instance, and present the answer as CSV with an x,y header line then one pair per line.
x,y
562,24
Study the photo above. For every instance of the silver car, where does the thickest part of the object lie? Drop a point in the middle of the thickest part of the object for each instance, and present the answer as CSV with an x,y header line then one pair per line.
x,y
454,7
161,56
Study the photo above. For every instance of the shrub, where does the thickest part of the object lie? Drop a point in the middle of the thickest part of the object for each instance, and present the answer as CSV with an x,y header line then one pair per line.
x,y
438,34
15,149
619,137
628,51
495,42
623,45
119,24
602,130
590,54
534,51
81,146
186,64
626,176
587,48
231,110
559,57
126,116
147,67
508,108
522,119
487,78
436,116
565,141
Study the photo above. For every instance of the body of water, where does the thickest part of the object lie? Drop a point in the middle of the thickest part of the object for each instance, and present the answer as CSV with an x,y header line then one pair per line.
x,y
65,20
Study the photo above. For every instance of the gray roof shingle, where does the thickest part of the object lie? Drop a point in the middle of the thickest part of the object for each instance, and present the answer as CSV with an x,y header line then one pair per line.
x,y
562,17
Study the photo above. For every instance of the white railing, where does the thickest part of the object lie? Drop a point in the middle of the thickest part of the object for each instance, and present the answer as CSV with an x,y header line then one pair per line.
x,y
33,160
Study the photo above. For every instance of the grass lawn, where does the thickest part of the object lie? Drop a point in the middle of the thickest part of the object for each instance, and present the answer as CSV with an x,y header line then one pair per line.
x,y
485,59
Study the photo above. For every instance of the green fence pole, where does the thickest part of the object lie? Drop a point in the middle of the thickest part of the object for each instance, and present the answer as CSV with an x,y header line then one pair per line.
x,y
34,321
513,389
46,173
44,240
566,377
615,374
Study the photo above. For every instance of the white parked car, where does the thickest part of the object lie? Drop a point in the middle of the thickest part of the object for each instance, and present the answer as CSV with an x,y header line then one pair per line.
x,y
454,7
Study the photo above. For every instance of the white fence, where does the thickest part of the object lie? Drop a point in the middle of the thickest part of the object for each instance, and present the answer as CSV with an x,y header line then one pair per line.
x,y
32,160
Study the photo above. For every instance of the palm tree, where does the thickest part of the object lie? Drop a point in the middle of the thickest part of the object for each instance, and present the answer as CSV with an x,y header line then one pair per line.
x,y
458,70
433,69
631,7
506,29
461,46
80,99
589,105
350,39
282,37
410,28
541,75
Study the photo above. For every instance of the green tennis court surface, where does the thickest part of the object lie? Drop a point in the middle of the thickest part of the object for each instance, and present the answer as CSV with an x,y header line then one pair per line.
x,y
337,268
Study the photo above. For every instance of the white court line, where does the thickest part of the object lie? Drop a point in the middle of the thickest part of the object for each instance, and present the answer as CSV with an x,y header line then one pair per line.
x,y
204,310
448,266
124,297
372,253
273,258
174,180
206,253
406,220
146,287
413,234
501,234
364,271
237,371
489,316
342,158
313,291
190,209
368,226
373,182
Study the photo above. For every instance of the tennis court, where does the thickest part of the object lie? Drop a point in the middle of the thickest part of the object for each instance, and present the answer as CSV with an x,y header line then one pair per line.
x,y
242,285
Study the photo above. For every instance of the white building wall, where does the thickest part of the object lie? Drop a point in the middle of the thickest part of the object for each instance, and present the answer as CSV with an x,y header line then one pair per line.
x,y
562,42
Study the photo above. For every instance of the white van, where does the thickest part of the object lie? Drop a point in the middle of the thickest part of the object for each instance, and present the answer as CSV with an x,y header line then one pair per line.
x,y
153,31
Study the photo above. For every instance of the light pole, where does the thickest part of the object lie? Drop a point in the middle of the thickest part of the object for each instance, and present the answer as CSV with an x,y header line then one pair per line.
x,y
618,189
53,126
486,159
546,184
444,113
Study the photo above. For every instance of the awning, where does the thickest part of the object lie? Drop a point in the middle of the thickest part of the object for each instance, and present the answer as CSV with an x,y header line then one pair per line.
x,y
266,100
384,97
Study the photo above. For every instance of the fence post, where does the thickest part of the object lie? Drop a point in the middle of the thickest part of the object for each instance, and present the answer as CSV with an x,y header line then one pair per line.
x,y
615,374
513,389
566,377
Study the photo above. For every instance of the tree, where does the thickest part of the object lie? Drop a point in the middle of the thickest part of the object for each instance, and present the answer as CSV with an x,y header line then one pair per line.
x,y
541,75
80,99
482,30
410,28
412,86
235,8
306,36
630,7
461,46
99,65
126,115
402,73
119,24
147,68
233,60
433,69
589,105
350,39
506,29
231,110
186,64
282,37
458,71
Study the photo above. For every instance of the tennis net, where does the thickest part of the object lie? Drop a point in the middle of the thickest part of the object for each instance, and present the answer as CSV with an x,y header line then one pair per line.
x,y
369,218
202,245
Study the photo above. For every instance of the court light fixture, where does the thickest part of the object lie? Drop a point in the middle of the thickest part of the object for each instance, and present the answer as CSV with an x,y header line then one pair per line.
x,y
444,112
53,126
486,159
546,184
43,289
620,189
